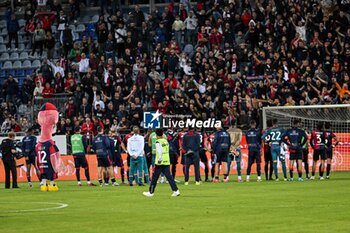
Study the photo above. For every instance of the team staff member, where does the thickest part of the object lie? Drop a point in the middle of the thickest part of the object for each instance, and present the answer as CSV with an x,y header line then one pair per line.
x,y
191,146
79,149
268,166
330,135
174,150
101,145
28,150
254,144
203,154
8,150
221,147
116,153
135,148
162,165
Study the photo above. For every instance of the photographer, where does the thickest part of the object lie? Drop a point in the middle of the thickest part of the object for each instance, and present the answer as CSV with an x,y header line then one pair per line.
x,y
8,150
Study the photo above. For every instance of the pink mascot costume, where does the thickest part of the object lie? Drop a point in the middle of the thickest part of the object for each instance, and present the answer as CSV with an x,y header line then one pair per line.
x,y
48,156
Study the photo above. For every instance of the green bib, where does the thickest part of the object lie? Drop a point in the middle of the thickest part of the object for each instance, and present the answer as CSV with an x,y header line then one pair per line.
x,y
77,144
153,137
165,155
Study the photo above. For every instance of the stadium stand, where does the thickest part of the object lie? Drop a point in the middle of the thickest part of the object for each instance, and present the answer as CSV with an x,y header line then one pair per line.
x,y
225,60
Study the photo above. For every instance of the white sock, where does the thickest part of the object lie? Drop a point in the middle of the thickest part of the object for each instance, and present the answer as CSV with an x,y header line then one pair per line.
x,y
89,182
52,182
43,182
79,182
259,177
248,177
239,177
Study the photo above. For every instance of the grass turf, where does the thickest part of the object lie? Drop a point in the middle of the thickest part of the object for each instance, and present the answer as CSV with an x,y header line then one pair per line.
x,y
309,206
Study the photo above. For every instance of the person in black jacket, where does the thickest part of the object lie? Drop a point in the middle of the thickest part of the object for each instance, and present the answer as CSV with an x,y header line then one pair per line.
x,y
8,151
12,29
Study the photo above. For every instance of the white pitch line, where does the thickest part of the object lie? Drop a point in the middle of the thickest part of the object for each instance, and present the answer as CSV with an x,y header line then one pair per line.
x,y
59,206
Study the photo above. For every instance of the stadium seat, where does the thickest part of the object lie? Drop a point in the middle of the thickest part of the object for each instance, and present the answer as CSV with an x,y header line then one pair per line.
x,y
80,28
4,32
72,27
3,23
7,65
94,19
2,48
36,64
11,72
29,72
22,22
2,74
1,40
26,64
20,73
85,19
14,56
189,50
23,56
53,29
5,57
21,47
17,65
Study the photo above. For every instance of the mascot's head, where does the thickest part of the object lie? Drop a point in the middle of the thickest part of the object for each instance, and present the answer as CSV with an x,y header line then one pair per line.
x,y
47,119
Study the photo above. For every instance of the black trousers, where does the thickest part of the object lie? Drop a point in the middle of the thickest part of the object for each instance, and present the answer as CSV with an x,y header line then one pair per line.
x,y
194,159
10,166
165,169
13,36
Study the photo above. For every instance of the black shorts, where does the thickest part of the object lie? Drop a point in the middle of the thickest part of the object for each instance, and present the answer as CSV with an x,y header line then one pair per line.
x,y
80,161
115,158
267,155
329,153
173,159
254,156
319,154
305,155
30,160
203,156
296,155
221,156
104,162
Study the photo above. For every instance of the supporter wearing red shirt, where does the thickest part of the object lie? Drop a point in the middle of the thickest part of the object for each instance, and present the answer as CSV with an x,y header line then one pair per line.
x,y
46,19
215,37
40,78
48,91
69,79
202,37
88,127
246,17
170,83
70,108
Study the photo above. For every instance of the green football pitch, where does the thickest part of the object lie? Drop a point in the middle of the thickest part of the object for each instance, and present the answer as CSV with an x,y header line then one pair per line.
x,y
309,206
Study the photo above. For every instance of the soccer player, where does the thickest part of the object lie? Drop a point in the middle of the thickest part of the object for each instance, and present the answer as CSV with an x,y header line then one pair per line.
x,y
28,150
182,152
79,149
162,165
267,155
135,148
306,157
101,144
191,146
273,137
295,138
203,154
235,151
221,147
208,146
116,158
330,135
318,144
253,138
174,150
126,138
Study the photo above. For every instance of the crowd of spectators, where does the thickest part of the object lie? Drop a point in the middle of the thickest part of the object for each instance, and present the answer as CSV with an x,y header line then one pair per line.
x,y
221,59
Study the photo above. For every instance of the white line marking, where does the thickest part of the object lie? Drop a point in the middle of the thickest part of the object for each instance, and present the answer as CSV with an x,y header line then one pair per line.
x,y
58,206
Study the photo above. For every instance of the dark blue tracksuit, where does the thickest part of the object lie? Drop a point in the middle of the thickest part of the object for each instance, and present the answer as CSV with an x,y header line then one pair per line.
x,y
191,142
28,148
221,145
295,138
253,138
101,146
174,150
